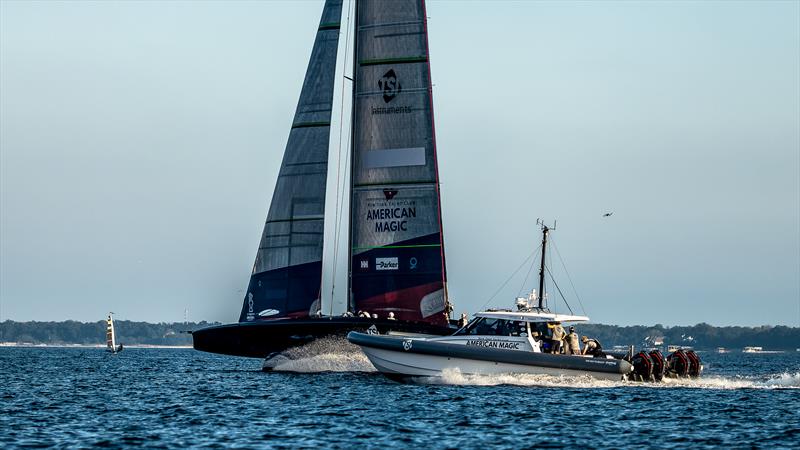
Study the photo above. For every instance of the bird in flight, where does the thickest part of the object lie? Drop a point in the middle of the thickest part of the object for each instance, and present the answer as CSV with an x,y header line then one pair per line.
x,y
608,214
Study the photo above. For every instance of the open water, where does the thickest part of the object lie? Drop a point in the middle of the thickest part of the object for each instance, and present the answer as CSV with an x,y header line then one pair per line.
x,y
80,397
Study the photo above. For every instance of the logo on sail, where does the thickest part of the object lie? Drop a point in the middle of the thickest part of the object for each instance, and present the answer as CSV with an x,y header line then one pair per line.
x,y
250,312
389,193
387,263
389,85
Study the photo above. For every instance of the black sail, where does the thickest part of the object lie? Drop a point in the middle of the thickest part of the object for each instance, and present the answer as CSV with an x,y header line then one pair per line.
x,y
287,271
397,252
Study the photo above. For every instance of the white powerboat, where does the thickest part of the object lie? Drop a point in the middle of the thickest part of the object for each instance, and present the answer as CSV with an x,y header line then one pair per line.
x,y
494,342
511,342
753,350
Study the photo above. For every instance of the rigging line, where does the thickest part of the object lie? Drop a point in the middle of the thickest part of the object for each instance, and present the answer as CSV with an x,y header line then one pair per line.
x,y
559,290
527,276
339,205
569,277
512,276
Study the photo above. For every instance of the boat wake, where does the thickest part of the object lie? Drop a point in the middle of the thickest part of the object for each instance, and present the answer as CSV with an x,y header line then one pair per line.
x,y
330,354
777,381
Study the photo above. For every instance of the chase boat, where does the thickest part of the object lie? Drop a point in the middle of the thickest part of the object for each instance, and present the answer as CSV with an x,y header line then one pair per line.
x,y
516,342
494,342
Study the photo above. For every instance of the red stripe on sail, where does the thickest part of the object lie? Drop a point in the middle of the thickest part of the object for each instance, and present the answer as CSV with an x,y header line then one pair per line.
x,y
405,304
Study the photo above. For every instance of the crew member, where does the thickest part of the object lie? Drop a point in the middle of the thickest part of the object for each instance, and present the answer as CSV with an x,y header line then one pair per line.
x,y
557,337
391,316
462,322
573,346
592,347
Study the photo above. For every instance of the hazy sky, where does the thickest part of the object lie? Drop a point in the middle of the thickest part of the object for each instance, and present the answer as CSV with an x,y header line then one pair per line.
x,y
140,142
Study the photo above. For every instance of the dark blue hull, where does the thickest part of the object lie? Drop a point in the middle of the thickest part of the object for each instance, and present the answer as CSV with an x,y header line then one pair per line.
x,y
261,338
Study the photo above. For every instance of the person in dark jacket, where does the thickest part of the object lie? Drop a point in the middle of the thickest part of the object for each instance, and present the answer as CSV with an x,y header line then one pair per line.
x,y
592,347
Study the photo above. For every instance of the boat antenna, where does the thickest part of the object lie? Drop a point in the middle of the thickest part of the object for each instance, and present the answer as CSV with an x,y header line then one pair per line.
x,y
545,230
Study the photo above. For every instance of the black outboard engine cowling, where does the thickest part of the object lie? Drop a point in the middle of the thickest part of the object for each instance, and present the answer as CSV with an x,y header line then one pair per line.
x,y
642,367
678,364
659,365
695,367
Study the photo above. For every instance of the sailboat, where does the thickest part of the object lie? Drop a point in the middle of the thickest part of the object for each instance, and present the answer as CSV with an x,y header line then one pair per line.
x,y
396,263
111,337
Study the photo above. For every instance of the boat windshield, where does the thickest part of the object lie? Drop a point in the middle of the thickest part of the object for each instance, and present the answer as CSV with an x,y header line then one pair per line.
x,y
493,327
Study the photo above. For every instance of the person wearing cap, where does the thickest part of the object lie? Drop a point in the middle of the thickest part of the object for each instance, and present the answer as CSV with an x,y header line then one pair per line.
x,y
573,346
592,347
558,336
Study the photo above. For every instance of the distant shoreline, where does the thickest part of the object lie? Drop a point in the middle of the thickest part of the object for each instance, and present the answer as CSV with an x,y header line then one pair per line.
x,y
98,346
131,334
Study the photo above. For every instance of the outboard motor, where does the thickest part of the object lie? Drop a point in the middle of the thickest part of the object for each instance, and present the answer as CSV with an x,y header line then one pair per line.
x,y
695,367
642,367
678,364
659,365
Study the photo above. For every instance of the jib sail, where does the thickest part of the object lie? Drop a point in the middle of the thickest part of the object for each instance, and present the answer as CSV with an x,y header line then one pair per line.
x,y
397,252
288,268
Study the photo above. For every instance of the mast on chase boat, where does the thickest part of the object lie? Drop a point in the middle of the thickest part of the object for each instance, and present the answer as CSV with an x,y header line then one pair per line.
x,y
545,231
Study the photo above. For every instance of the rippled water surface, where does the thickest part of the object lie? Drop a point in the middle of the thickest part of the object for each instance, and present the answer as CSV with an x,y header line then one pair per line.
x,y
180,397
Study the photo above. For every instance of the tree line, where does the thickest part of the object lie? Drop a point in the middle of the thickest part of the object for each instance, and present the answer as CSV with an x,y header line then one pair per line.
x,y
93,333
701,336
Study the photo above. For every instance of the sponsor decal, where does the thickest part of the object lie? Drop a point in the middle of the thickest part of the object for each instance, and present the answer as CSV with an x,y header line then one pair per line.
x,y
509,345
365,264
407,344
432,303
389,193
250,314
390,86
387,263
603,362
392,218
268,313
391,110
412,263
372,329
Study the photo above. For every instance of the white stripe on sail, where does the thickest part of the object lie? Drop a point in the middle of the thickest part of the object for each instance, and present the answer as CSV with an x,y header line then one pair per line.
x,y
394,157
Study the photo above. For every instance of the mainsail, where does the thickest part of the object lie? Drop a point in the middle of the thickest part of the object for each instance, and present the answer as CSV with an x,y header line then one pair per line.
x,y
397,251
287,272
111,339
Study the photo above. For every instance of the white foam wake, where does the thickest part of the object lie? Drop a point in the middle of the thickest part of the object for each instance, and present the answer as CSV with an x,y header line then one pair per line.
x,y
331,354
778,381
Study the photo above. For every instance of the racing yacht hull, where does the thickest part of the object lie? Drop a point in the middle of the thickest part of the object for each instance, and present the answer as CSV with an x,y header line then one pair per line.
x,y
260,339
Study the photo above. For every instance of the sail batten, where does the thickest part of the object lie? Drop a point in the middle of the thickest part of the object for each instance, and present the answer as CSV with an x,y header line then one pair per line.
x,y
287,272
397,257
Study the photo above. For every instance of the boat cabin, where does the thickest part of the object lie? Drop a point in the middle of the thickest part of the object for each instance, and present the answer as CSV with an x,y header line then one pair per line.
x,y
516,330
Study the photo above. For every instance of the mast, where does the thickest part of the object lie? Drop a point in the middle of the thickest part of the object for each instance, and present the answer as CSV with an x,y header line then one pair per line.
x,y
545,231
350,302
541,268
